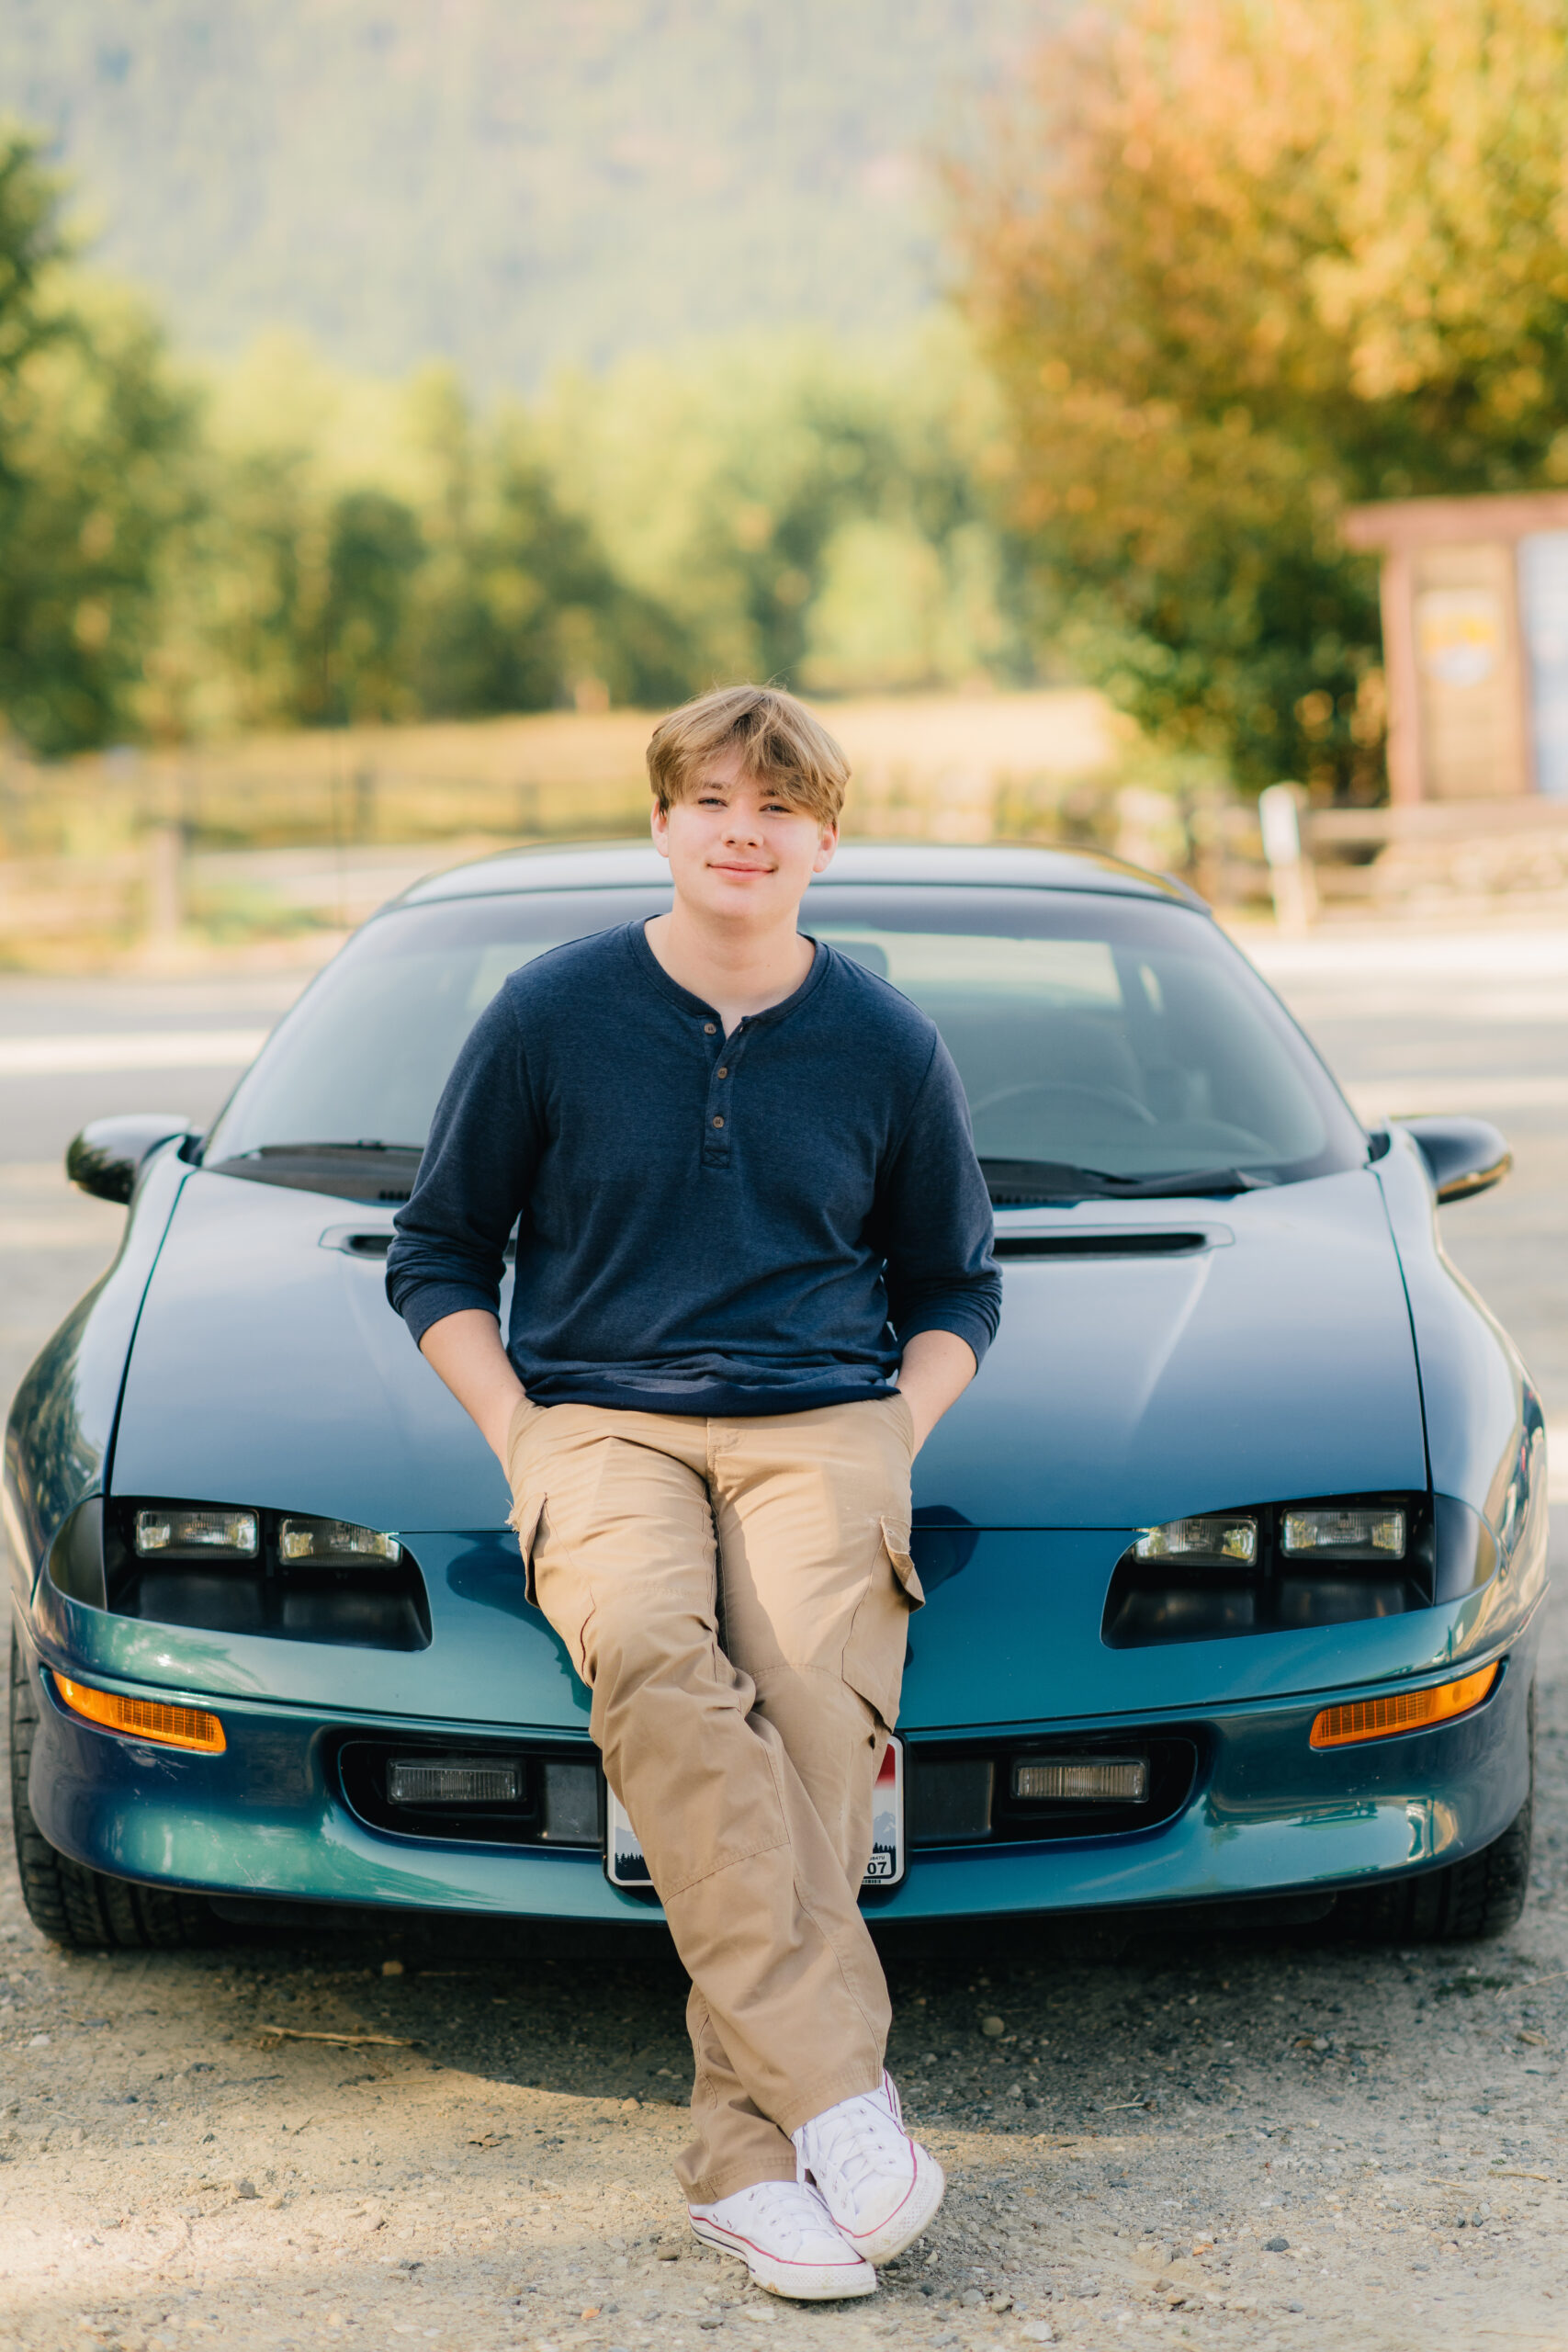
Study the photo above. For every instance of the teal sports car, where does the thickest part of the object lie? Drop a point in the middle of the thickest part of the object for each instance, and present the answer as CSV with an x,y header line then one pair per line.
x,y
1234,1554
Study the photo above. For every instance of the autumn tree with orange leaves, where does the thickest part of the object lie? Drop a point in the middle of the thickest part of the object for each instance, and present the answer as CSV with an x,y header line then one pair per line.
x,y
1238,263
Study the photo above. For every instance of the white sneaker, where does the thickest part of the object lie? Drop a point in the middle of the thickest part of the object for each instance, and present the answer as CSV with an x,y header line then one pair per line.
x,y
880,2186
784,2234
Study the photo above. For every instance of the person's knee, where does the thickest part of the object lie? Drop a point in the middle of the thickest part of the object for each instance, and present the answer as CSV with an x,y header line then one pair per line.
x,y
636,1654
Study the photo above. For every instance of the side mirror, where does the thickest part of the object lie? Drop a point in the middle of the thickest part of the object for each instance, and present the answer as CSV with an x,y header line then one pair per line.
x,y
1462,1156
106,1158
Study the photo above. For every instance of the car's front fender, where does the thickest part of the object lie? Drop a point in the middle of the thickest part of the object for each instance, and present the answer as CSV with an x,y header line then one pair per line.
x,y
1485,1433
62,1425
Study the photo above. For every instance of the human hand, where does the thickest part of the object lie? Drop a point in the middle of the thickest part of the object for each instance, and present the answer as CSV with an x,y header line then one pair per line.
x,y
937,1368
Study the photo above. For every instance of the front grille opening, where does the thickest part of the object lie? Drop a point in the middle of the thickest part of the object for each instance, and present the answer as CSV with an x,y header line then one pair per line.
x,y
370,1604
1099,1786
473,1792
1172,1599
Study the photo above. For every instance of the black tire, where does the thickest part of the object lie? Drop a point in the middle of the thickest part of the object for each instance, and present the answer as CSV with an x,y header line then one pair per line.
x,y
81,1909
1483,1896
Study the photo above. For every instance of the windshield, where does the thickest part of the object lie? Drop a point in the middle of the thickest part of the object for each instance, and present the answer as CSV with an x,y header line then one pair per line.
x,y
1105,1044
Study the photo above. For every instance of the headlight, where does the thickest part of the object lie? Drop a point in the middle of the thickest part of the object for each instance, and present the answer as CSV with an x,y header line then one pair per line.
x,y
187,1532
1351,1534
334,1542
1228,1541
1283,1568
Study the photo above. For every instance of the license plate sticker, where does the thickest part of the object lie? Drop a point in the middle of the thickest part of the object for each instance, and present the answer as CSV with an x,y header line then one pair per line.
x,y
625,1864
885,1867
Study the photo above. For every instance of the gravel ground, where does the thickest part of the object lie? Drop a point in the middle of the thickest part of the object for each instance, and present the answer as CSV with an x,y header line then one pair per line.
x,y
1263,2143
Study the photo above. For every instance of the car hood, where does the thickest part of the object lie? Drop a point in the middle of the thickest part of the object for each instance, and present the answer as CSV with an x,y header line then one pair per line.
x,y
1266,1355
268,1369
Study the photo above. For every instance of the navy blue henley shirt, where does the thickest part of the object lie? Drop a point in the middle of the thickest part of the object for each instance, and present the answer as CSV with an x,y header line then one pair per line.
x,y
751,1224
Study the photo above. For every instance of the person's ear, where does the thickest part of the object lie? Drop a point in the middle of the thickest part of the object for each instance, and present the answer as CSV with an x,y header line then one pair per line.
x,y
827,842
659,824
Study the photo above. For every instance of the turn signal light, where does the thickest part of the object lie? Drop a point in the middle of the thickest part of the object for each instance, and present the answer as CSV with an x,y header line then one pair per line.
x,y
1404,1710
145,1718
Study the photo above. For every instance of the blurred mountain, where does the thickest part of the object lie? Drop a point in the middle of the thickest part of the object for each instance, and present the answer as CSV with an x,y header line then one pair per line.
x,y
514,183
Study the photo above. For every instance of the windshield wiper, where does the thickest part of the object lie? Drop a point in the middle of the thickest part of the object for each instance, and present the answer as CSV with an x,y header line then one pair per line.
x,y
1021,1181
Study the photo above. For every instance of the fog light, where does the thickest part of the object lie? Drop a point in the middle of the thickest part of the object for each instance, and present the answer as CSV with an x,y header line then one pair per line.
x,y
1372,1533
334,1540
1217,1540
438,1780
145,1718
1083,1780
182,1530
1404,1710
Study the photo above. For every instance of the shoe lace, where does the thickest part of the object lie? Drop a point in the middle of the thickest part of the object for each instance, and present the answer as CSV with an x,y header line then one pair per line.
x,y
787,2214
861,2145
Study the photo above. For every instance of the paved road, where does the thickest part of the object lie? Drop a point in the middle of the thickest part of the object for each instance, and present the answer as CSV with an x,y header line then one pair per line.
x,y
1259,2144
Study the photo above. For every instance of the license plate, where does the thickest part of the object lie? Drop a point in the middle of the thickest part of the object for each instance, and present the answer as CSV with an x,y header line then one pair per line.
x,y
625,1864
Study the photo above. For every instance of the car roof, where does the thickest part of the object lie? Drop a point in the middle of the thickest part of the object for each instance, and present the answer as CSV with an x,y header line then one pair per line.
x,y
633,864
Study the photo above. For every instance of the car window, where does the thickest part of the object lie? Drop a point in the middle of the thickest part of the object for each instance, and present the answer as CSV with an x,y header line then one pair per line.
x,y
1118,1035
365,1054
1130,1059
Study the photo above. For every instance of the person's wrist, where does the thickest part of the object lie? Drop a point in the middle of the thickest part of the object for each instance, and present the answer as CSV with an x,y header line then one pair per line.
x,y
499,1432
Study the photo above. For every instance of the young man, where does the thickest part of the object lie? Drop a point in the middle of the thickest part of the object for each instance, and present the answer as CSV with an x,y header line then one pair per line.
x,y
753,1270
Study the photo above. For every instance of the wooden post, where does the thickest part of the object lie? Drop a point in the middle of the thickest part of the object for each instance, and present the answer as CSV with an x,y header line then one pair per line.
x,y
1397,588
1290,869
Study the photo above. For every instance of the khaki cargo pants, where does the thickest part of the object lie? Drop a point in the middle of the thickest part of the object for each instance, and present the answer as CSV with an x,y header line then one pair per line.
x,y
736,1596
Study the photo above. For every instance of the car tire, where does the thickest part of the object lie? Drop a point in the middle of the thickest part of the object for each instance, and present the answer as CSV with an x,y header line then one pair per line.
x,y
1480,1896
86,1909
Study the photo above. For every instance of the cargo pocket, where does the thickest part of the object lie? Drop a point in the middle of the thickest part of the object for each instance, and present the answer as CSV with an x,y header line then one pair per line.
x,y
874,1654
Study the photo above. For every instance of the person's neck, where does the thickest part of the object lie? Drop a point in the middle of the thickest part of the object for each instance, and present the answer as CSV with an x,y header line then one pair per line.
x,y
738,971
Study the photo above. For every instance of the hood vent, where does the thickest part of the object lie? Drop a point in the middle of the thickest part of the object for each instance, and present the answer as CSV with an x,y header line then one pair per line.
x,y
359,1241
1127,1243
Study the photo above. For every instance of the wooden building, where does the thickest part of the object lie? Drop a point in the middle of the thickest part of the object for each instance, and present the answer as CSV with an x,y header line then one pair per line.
x,y
1475,644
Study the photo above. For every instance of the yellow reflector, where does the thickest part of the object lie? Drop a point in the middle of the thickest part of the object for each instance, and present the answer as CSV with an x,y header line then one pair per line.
x,y
145,1718
1406,1711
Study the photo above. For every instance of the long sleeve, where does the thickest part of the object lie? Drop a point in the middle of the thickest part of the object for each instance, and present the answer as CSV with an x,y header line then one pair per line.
x,y
935,1220
448,1251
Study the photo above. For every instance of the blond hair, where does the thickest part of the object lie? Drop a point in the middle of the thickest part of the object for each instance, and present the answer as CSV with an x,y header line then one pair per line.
x,y
779,741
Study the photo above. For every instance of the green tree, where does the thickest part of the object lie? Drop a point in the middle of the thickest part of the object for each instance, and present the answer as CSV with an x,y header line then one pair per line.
x,y
1238,262
520,606
90,424
763,488
373,551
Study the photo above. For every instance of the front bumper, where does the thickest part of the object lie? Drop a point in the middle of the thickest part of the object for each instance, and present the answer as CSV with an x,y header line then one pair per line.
x,y
1266,1814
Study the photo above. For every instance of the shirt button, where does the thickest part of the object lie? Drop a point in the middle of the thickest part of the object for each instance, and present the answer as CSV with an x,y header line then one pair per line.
x,y
721,1072
719,1122
710,1028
